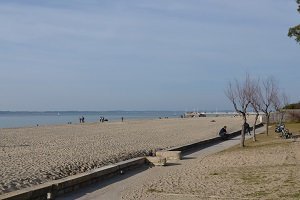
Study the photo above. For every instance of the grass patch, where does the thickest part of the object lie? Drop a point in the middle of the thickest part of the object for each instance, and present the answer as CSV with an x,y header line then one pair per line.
x,y
286,185
272,140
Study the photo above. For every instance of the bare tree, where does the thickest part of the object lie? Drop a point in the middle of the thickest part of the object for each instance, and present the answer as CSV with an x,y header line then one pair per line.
x,y
267,94
255,102
238,94
286,102
279,102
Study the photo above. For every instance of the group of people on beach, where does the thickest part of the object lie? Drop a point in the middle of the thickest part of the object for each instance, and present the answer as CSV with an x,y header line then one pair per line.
x,y
81,119
102,119
224,135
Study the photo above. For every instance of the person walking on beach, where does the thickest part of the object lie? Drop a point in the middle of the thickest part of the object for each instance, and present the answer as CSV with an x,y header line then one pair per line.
x,y
223,133
122,119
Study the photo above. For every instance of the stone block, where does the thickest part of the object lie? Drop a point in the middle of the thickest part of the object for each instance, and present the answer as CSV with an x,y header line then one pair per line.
x,y
157,161
169,155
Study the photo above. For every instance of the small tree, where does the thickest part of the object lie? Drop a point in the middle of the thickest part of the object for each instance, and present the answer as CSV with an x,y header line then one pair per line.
x,y
267,93
255,103
295,31
238,94
279,103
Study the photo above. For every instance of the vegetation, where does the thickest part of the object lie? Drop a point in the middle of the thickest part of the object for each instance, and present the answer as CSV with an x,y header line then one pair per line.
x,y
255,104
268,97
266,141
284,176
238,94
293,106
295,31
273,140
263,96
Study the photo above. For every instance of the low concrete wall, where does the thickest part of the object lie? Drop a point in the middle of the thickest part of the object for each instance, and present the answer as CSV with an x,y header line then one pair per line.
x,y
206,143
69,184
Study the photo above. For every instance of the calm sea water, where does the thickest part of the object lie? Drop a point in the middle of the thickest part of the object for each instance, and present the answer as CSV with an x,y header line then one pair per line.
x,y
29,119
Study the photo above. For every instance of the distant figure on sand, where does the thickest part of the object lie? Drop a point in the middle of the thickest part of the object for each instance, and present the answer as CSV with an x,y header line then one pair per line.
x,y
102,119
81,119
122,119
247,128
223,133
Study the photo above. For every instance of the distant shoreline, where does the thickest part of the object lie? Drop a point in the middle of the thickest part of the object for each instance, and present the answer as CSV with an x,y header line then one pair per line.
x,y
20,119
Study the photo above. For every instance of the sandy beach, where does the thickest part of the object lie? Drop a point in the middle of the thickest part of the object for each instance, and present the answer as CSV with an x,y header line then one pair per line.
x,y
35,155
266,169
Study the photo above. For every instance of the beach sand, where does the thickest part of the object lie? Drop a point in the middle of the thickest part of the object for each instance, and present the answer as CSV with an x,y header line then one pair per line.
x,y
269,170
30,156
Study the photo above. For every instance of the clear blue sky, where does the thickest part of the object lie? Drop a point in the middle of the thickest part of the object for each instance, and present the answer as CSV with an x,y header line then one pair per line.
x,y
141,54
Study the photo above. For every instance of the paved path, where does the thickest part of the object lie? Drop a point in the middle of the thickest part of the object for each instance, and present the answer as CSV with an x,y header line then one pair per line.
x,y
112,189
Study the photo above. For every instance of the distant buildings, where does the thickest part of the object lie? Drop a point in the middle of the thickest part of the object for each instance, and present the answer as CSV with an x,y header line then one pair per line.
x,y
193,114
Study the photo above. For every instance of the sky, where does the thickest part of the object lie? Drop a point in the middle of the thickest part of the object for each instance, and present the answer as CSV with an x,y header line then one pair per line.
x,y
101,55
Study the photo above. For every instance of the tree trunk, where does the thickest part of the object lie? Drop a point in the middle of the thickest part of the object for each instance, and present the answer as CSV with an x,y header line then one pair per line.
x,y
243,131
254,127
268,122
282,116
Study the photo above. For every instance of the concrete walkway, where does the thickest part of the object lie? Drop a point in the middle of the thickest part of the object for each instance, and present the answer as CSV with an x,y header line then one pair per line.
x,y
112,189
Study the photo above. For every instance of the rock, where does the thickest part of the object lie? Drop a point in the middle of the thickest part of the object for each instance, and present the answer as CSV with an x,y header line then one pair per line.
x,y
157,161
169,155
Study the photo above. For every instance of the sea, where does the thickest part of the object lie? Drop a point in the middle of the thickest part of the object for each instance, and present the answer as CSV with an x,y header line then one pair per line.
x,y
9,119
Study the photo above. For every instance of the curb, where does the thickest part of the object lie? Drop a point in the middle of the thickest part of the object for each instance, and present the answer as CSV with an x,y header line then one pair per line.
x,y
55,188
